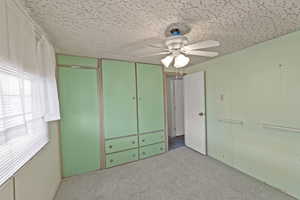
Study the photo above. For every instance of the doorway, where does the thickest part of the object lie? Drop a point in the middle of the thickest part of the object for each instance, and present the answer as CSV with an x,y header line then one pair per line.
x,y
187,111
175,111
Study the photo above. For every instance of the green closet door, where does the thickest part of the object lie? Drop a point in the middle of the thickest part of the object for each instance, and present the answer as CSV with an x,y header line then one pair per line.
x,y
119,91
76,61
151,100
79,101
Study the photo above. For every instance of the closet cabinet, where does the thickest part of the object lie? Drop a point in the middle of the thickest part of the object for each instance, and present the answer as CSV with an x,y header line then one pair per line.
x,y
133,111
112,112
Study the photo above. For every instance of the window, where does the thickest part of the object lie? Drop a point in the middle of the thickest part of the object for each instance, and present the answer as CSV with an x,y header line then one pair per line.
x,y
23,131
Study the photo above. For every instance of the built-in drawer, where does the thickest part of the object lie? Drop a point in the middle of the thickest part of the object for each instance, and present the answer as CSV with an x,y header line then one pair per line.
x,y
76,61
120,144
152,150
151,138
121,157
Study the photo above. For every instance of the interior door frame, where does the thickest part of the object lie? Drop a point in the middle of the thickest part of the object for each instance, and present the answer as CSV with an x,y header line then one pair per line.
x,y
205,114
167,97
101,107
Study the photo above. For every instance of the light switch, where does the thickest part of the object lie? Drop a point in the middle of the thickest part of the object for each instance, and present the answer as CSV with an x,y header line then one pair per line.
x,y
222,97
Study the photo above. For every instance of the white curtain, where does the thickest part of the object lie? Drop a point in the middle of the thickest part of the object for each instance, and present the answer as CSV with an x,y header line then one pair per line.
x,y
3,33
28,93
46,58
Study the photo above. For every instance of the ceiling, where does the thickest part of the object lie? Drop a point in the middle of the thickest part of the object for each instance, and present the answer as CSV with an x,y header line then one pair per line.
x,y
116,28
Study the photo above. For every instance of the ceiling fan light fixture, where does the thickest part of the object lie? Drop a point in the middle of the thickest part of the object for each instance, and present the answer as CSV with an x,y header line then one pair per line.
x,y
181,61
167,60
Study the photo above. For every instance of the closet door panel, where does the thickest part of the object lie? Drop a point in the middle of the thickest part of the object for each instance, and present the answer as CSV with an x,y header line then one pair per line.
x,y
119,92
76,61
150,98
79,100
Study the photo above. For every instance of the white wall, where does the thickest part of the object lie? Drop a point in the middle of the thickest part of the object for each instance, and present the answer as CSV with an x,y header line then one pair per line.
x,y
171,116
40,177
179,107
175,107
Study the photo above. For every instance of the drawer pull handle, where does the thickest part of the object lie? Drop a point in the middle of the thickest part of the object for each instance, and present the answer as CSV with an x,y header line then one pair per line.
x,y
133,155
133,142
143,140
161,148
144,153
111,160
110,146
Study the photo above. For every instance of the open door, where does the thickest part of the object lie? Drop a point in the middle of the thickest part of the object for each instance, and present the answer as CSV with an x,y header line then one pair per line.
x,y
194,112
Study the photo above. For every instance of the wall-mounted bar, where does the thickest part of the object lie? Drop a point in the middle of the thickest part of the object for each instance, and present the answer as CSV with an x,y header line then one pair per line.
x,y
280,127
231,121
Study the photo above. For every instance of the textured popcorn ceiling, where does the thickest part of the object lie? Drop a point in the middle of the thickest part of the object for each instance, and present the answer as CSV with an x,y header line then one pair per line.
x,y
114,28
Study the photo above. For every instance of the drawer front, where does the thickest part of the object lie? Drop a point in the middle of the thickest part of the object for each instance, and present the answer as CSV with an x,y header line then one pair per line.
x,y
121,144
152,150
115,159
151,138
76,61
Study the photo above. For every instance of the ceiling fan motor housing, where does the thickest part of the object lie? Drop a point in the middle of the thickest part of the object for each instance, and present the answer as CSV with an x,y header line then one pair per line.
x,y
175,43
175,36
177,29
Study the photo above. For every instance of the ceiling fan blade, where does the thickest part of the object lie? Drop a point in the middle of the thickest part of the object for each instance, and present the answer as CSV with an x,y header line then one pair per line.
x,y
156,46
151,43
202,45
202,53
156,54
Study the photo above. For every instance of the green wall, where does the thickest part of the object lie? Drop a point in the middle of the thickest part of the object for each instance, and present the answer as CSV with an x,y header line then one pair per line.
x,y
257,85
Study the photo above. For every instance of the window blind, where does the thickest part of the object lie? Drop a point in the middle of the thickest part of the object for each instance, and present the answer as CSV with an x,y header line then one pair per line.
x,y
28,93
23,132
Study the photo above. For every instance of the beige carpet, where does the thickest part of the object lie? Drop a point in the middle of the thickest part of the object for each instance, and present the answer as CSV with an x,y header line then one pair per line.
x,y
180,174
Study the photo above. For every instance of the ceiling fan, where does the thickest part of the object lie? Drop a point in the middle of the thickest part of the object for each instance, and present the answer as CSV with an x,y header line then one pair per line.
x,y
178,48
